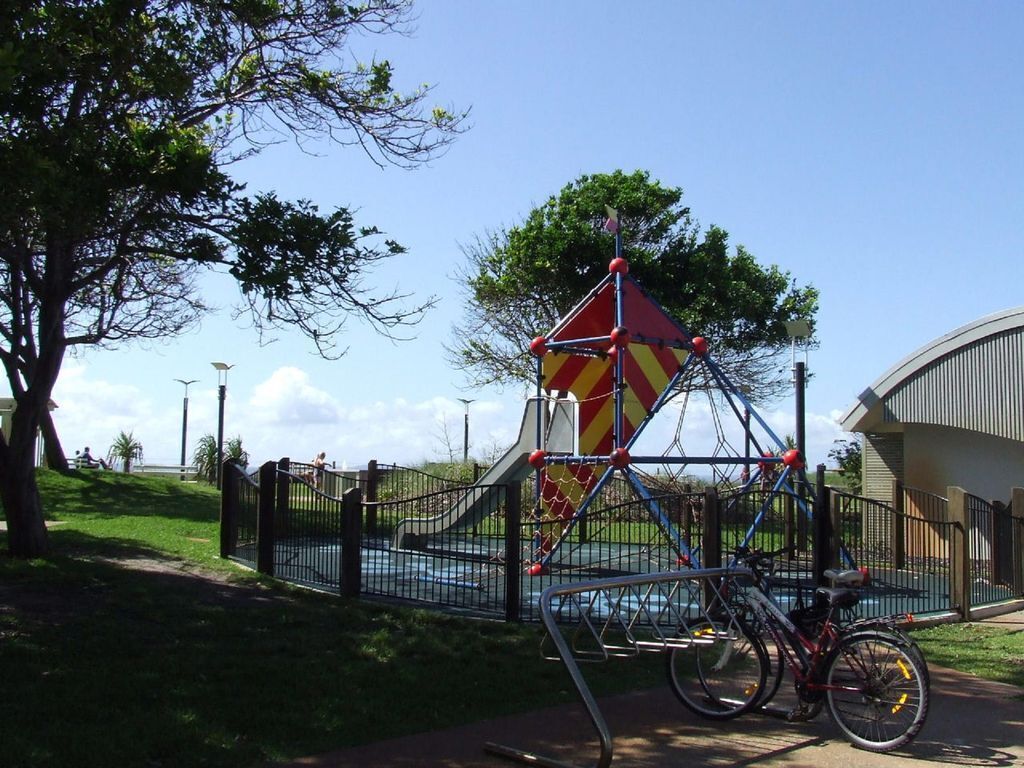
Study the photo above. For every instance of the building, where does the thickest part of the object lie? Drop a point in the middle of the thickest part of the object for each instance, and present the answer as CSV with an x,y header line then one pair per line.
x,y
7,406
950,414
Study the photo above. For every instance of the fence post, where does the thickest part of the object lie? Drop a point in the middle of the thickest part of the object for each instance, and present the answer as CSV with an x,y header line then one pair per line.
x,y
228,513
821,519
351,569
282,517
1000,540
1017,548
372,478
711,535
789,524
265,519
897,532
686,515
513,550
835,506
711,539
959,551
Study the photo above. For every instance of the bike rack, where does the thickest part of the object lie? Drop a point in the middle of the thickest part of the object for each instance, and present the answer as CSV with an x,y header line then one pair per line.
x,y
621,616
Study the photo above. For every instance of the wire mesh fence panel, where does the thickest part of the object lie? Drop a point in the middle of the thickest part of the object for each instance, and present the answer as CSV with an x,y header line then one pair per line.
x,y
396,483
990,548
904,554
247,496
446,548
307,532
639,536
770,521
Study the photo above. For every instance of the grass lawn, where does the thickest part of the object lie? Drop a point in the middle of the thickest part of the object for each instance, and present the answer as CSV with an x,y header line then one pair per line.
x,y
109,657
133,644
990,652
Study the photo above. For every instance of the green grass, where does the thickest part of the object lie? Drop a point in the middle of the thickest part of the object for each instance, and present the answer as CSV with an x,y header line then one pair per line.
x,y
103,664
993,653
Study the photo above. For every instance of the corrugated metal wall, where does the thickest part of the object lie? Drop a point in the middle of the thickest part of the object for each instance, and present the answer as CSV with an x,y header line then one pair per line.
x,y
978,387
883,463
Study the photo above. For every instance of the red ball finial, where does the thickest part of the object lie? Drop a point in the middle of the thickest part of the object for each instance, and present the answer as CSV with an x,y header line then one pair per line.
x,y
793,459
539,346
700,346
613,353
620,336
618,266
537,458
619,458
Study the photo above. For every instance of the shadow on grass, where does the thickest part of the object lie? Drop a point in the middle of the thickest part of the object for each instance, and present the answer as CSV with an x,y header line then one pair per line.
x,y
110,665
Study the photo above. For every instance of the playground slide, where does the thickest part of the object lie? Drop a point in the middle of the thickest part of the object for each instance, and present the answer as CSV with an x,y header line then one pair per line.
x,y
514,466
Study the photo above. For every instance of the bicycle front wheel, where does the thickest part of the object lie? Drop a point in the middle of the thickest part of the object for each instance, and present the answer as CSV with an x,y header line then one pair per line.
x,y
719,671
876,691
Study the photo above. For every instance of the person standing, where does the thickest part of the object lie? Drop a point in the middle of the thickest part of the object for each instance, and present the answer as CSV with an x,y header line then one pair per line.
x,y
319,462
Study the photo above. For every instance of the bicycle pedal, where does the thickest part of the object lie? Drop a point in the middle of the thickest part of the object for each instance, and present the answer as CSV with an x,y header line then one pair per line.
x,y
803,713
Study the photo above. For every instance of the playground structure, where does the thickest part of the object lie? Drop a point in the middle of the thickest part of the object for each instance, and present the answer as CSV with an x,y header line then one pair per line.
x,y
575,499
623,358
604,372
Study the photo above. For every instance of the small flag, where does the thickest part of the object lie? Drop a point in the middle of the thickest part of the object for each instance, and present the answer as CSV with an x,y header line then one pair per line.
x,y
612,223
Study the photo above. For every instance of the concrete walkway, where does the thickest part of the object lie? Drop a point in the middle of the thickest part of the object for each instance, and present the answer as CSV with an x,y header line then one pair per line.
x,y
972,722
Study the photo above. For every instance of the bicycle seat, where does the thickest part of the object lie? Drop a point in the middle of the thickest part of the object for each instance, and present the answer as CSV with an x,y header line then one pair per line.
x,y
850,578
840,597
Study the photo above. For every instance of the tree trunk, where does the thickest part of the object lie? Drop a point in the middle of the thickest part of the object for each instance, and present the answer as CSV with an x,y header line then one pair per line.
x,y
26,530
55,458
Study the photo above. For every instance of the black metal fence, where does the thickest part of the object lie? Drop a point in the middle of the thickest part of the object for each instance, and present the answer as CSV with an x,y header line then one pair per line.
x,y
392,532
905,556
994,535
446,548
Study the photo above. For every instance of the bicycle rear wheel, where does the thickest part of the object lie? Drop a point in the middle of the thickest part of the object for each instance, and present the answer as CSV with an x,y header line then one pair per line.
x,y
720,672
876,691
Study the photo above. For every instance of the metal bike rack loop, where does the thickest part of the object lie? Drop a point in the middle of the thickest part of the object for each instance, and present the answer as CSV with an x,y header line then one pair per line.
x,y
620,616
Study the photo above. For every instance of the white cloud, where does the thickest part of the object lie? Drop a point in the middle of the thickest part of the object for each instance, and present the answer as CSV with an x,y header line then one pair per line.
x,y
289,414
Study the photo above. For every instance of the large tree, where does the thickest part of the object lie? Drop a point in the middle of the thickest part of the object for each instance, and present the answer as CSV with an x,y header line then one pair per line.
x,y
520,281
119,123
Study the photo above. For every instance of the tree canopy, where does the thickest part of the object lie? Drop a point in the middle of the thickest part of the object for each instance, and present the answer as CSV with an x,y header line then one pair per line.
x,y
121,120
519,282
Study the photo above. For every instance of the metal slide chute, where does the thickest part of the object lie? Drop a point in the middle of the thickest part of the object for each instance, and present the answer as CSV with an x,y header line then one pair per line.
x,y
557,424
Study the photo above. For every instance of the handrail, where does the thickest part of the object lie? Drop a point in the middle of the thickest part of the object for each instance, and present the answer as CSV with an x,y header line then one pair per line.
x,y
650,601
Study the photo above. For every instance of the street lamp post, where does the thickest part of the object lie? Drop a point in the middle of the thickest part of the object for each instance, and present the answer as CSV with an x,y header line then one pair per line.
x,y
799,329
222,391
465,431
184,422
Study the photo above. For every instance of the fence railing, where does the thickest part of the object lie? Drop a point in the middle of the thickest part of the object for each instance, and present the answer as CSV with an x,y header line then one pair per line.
x,y
904,555
484,548
995,534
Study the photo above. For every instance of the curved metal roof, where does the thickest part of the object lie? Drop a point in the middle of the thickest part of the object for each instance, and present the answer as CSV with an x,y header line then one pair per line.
x,y
971,378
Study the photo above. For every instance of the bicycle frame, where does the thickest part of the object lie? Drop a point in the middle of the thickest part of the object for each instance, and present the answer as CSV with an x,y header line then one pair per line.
x,y
801,653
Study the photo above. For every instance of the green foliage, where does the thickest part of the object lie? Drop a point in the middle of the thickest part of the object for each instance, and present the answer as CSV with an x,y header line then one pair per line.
x,y
233,450
119,123
848,456
127,449
521,281
206,456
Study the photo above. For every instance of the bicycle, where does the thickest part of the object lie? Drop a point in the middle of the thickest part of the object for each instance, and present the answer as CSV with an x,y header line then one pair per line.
x,y
873,679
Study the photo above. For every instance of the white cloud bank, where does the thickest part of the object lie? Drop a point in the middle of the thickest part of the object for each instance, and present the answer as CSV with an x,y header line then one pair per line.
x,y
287,414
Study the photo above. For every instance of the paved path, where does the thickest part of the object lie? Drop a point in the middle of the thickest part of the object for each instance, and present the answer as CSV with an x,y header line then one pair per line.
x,y
972,722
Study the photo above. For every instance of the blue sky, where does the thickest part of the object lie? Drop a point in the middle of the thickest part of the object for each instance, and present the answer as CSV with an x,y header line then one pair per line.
x,y
870,149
